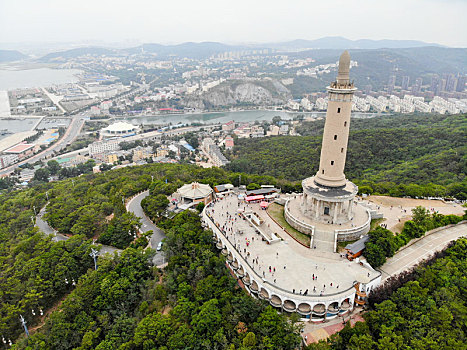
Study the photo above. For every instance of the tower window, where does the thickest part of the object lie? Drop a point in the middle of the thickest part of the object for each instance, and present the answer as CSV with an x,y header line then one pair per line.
x,y
335,137
332,162
338,110
322,171
342,150
345,123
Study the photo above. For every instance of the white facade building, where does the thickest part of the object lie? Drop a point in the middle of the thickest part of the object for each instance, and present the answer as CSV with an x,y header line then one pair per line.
x,y
102,147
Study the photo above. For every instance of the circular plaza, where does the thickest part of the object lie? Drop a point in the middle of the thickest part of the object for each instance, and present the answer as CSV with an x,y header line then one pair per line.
x,y
318,284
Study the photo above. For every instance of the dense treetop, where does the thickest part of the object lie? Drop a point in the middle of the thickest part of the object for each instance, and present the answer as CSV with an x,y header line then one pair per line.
x,y
194,303
113,306
416,155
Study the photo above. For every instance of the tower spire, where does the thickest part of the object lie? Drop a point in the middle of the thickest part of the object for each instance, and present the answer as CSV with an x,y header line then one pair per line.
x,y
344,68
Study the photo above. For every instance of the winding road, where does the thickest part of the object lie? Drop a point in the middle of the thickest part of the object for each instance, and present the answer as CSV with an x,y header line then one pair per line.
x,y
421,249
134,206
48,230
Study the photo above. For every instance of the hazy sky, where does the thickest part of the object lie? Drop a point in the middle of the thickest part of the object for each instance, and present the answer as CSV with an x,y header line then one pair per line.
x,y
233,21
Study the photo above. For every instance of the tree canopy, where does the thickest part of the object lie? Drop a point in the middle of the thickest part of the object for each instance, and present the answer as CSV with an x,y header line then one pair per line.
x,y
398,155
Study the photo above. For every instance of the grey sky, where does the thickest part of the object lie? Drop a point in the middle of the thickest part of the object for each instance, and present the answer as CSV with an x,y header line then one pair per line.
x,y
174,21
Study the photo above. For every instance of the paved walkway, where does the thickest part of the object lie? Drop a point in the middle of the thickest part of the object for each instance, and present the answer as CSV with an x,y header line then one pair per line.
x,y
398,210
292,265
55,99
323,241
314,332
422,249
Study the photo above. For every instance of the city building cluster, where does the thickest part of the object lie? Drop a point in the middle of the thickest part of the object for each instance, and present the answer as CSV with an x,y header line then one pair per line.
x,y
32,101
409,104
142,83
392,103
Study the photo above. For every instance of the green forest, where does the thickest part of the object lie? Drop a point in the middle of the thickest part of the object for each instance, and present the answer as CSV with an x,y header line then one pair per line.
x,y
193,303
402,155
124,304
93,205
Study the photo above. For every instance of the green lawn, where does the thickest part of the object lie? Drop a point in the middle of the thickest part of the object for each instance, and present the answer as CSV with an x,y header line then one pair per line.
x,y
277,212
341,245
375,223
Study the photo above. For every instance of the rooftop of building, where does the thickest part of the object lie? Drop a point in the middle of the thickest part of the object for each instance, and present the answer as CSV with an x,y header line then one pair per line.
x,y
19,148
120,127
195,190
348,190
357,246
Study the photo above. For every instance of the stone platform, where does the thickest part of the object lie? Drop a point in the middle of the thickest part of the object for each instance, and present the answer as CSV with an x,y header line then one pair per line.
x,y
283,272
325,232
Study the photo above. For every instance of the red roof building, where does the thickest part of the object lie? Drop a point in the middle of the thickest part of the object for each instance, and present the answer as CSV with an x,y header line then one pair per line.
x,y
229,142
21,149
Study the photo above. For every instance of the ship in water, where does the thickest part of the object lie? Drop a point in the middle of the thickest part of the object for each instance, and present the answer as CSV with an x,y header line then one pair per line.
x,y
4,132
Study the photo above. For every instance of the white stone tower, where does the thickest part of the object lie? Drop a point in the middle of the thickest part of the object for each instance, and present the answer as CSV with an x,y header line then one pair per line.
x,y
336,128
328,196
327,209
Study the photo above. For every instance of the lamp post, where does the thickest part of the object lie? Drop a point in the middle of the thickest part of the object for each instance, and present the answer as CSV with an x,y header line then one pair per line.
x,y
23,322
94,254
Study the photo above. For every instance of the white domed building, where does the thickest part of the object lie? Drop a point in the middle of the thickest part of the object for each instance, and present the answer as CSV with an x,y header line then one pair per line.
x,y
119,129
195,193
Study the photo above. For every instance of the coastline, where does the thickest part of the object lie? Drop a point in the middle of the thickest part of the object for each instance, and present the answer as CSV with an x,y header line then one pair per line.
x,y
247,115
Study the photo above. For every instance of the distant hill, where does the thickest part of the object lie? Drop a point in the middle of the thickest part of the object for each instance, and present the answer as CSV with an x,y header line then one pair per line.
x,y
11,55
64,55
188,49
238,92
343,43
406,150
376,66
206,49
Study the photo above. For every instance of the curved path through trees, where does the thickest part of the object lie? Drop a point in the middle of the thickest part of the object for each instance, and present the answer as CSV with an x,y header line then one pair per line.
x,y
412,254
134,206
48,230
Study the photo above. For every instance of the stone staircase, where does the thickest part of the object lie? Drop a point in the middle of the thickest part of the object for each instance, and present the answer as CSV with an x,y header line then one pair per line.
x,y
323,241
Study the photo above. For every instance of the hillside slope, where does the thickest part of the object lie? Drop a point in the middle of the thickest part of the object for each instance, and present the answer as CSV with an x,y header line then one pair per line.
x,y
420,152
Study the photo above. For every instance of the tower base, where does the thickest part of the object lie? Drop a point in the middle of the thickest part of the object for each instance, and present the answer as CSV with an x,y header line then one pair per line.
x,y
329,205
332,214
